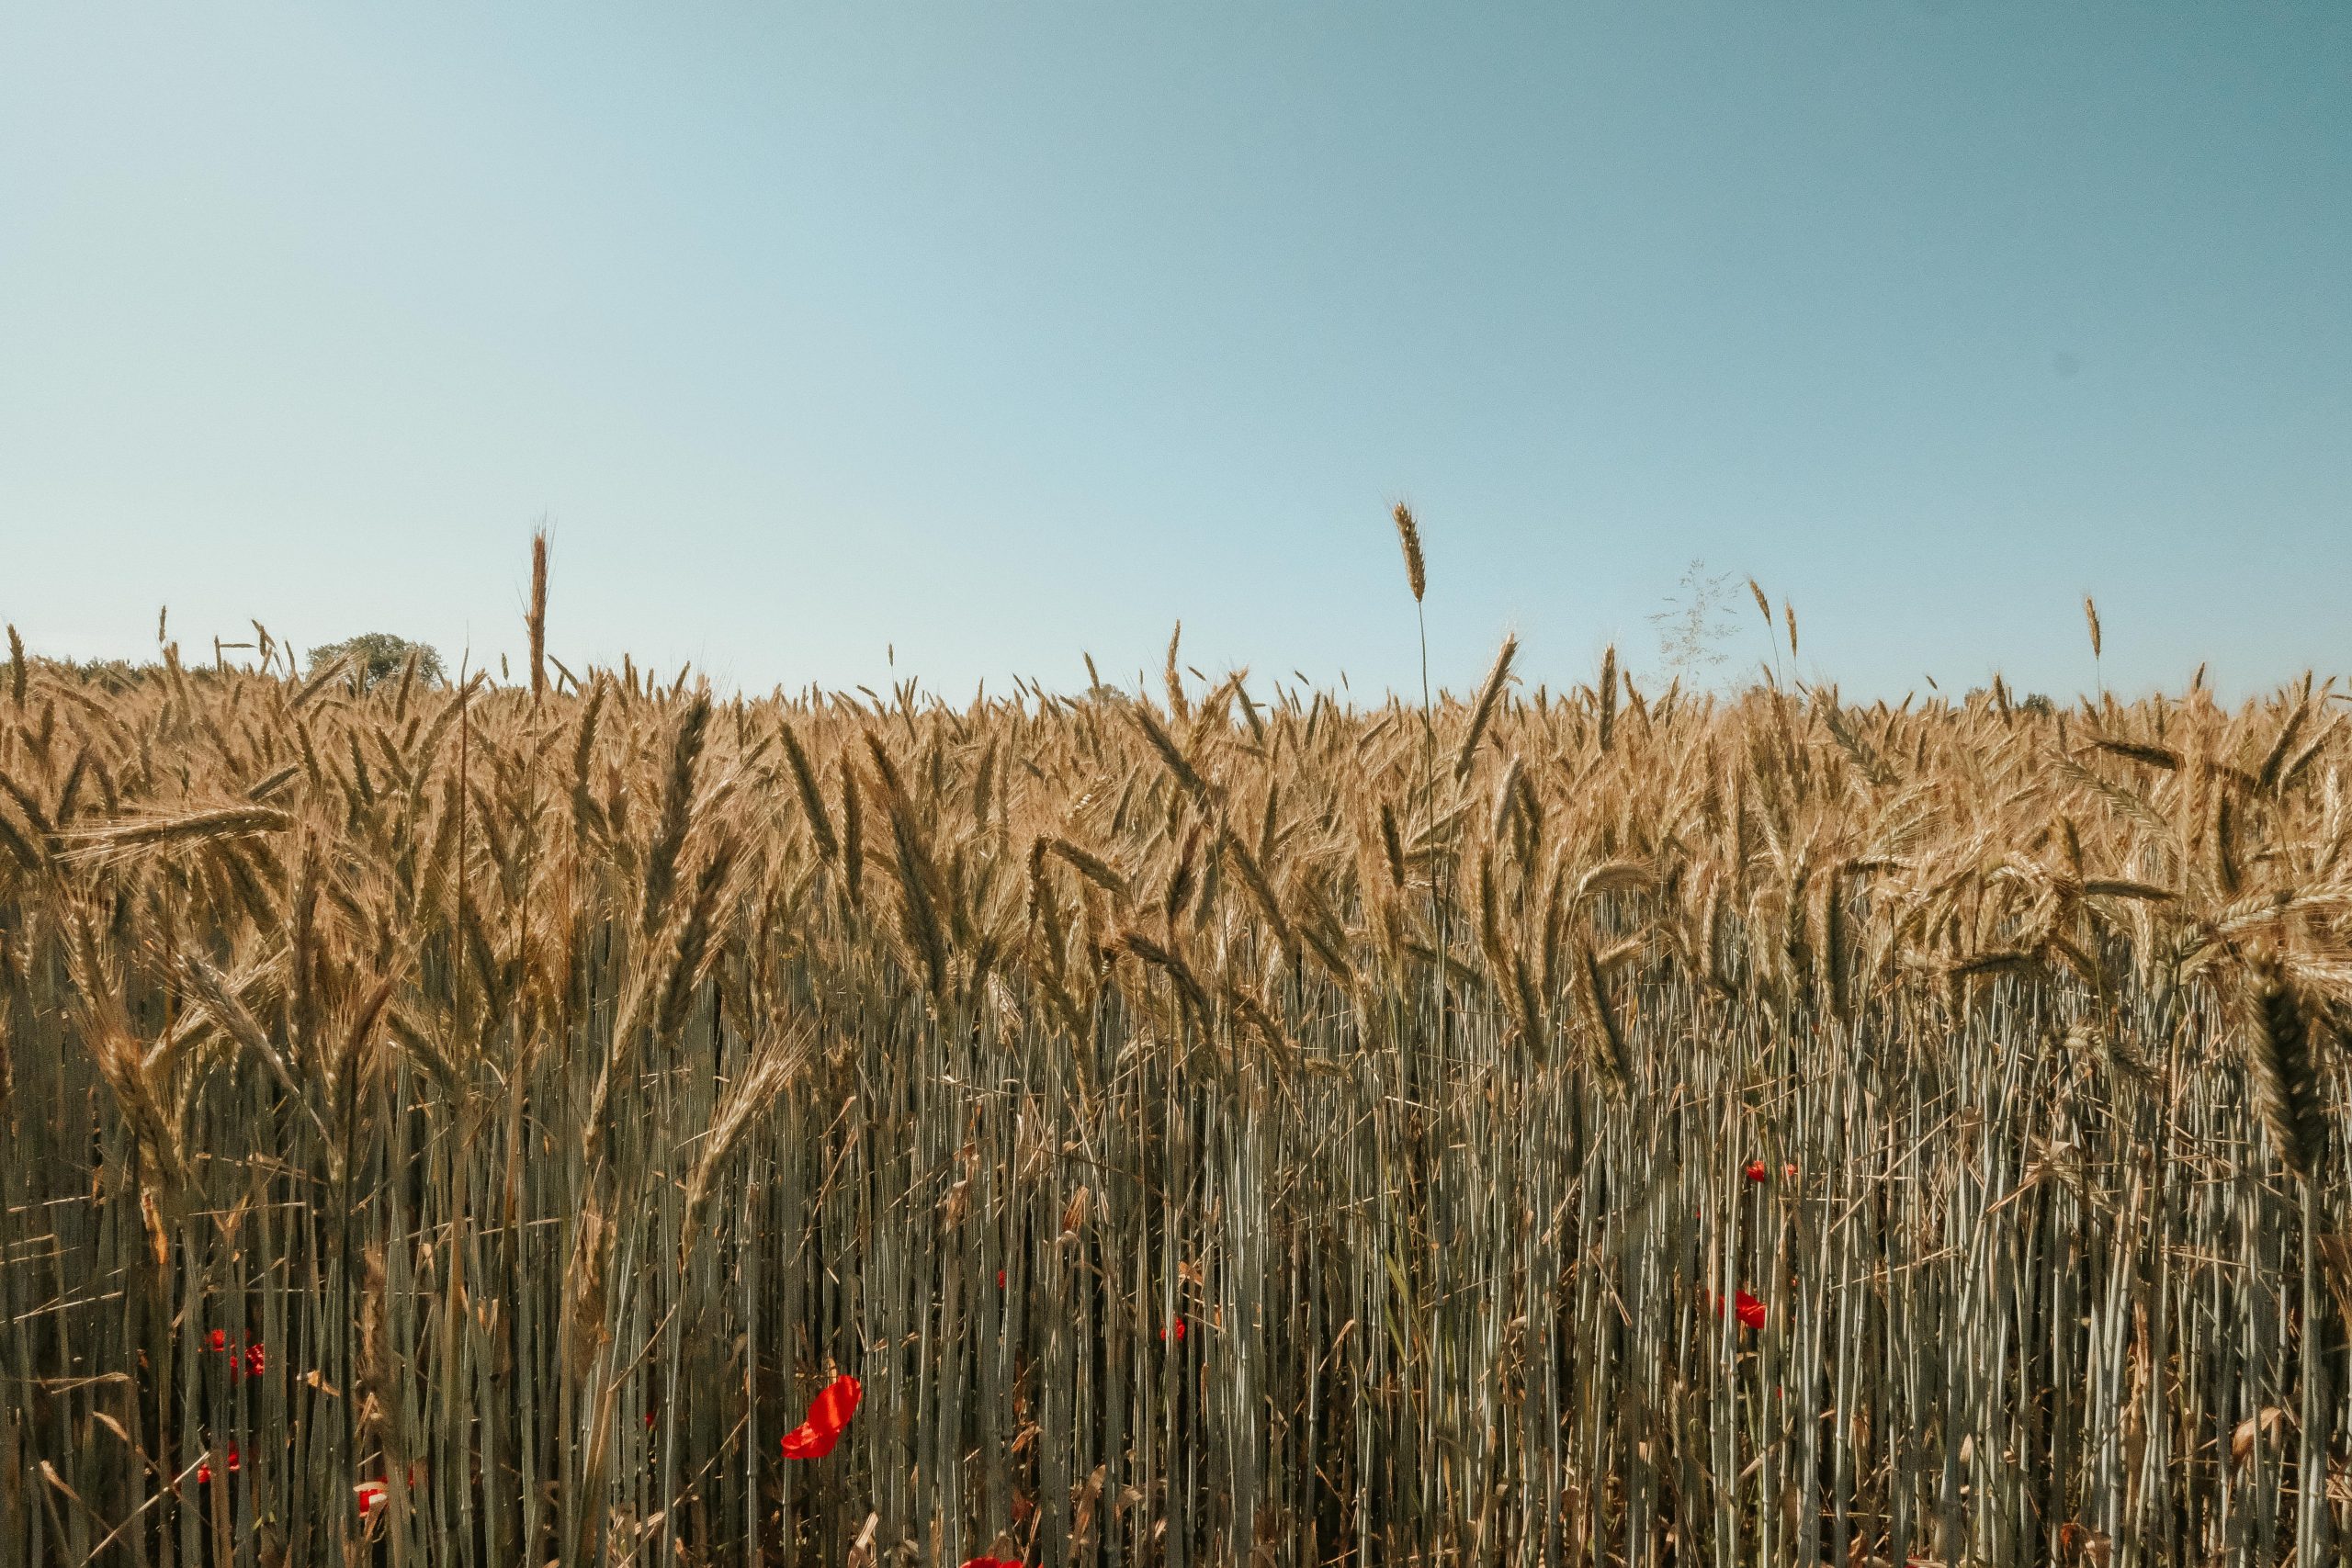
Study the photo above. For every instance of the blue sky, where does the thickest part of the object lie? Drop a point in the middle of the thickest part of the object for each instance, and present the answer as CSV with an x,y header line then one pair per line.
x,y
1004,333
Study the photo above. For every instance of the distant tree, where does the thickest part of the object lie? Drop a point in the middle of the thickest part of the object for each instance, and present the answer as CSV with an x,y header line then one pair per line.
x,y
378,656
1694,623
2035,703
114,674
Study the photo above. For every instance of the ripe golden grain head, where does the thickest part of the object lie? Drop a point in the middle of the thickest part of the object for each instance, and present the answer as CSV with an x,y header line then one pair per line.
x,y
2282,1067
1408,535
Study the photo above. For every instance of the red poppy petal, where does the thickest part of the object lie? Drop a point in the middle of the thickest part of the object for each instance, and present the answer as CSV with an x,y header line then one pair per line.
x,y
807,1442
204,1476
219,1339
1755,1170
832,1409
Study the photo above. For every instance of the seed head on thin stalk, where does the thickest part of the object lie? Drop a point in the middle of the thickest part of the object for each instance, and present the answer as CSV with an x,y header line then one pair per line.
x,y
1409,534
535,622
2090,615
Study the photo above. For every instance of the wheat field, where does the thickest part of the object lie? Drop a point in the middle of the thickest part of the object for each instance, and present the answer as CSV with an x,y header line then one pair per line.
x,y
1218,1125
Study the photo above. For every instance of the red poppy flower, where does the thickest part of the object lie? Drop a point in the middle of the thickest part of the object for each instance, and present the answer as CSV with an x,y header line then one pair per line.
x,y
232,1459
828,1413
1749,1311
369,1495
1755,1170
220,1340
1790,1170
1179,1331
254,1359
1000,1279
204,1476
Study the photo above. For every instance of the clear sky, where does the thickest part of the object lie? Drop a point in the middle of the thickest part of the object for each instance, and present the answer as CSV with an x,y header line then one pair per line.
x,y
1005,331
